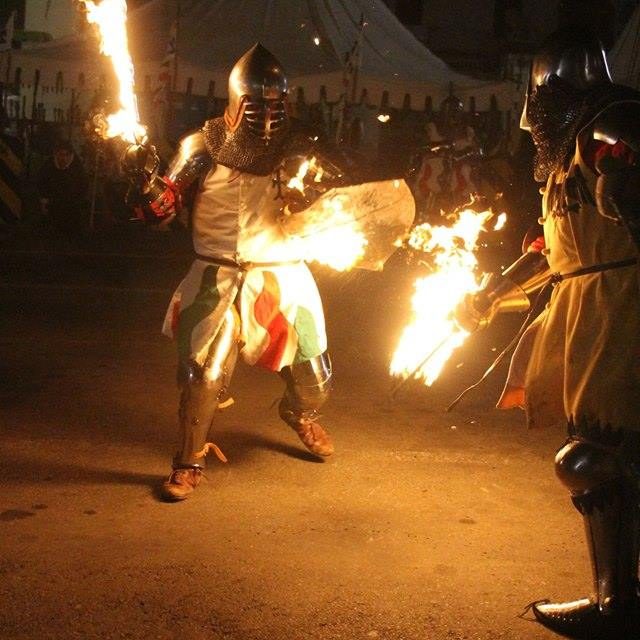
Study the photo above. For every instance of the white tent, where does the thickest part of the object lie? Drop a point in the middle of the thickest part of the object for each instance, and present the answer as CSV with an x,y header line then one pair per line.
x,y
310,37
624,58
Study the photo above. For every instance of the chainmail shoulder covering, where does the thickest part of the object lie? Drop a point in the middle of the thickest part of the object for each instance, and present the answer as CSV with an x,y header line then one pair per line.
x,y
242,150
558,116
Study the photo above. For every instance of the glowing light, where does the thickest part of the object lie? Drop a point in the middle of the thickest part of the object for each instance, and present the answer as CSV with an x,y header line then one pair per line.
x,y
432,335
384,117
316,41
110,16
500,222
338,245
297,182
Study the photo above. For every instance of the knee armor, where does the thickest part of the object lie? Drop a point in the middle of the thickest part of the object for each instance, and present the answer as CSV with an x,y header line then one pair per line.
x,y
589,470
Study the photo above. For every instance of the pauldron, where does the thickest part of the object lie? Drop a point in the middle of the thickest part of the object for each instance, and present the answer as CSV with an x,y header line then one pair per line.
x,y
618,184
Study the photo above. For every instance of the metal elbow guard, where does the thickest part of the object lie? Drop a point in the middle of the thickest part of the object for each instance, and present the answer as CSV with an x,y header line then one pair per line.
x,y
190,162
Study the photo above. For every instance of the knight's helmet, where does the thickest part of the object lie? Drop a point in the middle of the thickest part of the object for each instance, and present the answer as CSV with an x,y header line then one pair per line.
x,y
575,56
257,94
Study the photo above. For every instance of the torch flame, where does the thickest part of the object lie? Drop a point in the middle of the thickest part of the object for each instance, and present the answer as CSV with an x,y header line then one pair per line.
x,y
297,182
110,16
500,222
338,245
431,337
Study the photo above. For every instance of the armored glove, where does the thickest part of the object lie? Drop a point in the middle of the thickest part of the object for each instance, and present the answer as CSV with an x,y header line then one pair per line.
x,y
154,198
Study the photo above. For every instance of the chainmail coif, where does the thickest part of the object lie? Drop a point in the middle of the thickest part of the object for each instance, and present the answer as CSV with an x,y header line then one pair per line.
x,y
242,149
557,111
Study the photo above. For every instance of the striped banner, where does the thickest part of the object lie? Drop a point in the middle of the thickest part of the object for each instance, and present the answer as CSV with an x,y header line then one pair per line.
x,y
11,175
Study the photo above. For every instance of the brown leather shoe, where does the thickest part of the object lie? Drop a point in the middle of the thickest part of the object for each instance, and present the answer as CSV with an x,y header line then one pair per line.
x,y
180,484
313,436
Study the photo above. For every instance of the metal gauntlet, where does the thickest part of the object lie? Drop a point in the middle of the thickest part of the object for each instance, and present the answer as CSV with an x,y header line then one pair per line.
x,y
505,292
153,197
158,198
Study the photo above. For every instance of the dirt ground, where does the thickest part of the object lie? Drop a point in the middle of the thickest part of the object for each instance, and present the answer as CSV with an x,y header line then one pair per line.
x,y
424,525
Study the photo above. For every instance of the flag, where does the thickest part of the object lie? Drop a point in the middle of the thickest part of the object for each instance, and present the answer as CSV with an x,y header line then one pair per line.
x,y
6,35
350,71
353,60
167,68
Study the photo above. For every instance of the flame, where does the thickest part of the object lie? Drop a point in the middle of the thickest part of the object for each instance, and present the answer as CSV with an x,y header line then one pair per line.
x,y
297,182
110,16
432,335
500,222
339,245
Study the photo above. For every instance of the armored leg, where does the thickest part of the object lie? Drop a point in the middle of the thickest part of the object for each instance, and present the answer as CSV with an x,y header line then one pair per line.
x,y
307,387
605,491
202,389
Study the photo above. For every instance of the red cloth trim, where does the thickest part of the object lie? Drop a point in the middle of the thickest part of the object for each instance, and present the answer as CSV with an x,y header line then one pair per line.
x,y
266,310
533,240
423,181
596,150
537,245
166,201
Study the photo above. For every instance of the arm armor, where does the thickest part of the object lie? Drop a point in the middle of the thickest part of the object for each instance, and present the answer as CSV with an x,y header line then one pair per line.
x,y
190,162
505,292
158,197
618,184
619,123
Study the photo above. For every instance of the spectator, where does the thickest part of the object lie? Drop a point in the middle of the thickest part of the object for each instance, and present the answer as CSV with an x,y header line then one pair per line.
x,y
62,189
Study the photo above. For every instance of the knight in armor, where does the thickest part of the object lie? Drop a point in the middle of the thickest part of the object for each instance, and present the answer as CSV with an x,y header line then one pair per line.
x,y
239,296
579,361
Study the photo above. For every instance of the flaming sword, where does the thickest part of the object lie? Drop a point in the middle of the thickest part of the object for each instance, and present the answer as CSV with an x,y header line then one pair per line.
x,y
433,334
110,18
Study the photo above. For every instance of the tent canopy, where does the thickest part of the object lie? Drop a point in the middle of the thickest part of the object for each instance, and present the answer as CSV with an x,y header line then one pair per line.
x,y
310,37
624,58
307,36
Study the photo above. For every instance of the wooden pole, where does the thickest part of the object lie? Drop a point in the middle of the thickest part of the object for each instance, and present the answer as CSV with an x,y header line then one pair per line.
x,y
36,83
174,79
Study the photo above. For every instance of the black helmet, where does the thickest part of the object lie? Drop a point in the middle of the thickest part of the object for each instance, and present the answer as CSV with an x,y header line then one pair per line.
x,y
575,56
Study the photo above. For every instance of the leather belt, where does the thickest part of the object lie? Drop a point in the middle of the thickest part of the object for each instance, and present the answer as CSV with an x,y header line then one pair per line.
x,y
244,266
596,268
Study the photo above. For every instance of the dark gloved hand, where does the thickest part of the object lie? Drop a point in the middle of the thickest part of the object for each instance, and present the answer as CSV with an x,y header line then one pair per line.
x,y
140,163
618,198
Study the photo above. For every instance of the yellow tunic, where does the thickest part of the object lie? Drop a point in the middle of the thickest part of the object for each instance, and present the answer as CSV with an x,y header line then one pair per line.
x,y
585,359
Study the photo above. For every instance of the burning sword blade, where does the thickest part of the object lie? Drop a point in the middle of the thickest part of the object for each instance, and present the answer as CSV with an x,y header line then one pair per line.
x,y
410,376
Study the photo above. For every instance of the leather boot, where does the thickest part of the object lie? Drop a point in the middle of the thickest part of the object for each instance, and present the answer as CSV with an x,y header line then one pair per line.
x,y
309,430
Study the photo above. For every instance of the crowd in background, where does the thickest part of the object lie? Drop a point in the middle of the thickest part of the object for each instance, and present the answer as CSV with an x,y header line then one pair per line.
x,y
72,184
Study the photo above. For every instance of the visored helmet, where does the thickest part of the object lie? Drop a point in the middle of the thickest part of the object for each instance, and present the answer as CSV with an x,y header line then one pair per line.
x,y
575,56
257,93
